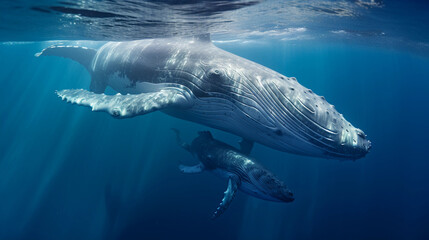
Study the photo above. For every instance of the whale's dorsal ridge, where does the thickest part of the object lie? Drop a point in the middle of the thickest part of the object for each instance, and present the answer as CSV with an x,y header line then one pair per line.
x,y
205,37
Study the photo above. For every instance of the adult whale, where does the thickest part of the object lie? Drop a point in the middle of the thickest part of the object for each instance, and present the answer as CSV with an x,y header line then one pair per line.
x,y
192,79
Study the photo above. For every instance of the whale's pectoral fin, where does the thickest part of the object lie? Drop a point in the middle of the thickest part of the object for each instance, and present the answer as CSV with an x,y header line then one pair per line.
x,y
246,146
233,184
125,106
191,169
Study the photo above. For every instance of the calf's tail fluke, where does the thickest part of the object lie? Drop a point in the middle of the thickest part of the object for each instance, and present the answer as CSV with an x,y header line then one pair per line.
x,y
82,55
180,141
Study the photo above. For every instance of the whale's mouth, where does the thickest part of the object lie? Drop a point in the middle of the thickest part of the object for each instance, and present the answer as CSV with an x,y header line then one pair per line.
x,y
291,199
350,152
288,197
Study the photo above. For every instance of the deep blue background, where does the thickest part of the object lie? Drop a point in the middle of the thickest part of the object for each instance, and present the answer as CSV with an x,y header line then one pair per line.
x,y
69,173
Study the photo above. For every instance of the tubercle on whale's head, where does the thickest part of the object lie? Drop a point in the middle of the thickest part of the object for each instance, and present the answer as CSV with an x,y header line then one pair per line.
x,y
307,124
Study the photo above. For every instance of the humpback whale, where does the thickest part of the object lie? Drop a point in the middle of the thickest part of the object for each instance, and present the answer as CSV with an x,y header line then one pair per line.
x,y
240,170
192,79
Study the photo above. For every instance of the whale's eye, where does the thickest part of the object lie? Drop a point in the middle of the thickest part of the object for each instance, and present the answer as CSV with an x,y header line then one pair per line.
x,y
278,132
216,75
215,72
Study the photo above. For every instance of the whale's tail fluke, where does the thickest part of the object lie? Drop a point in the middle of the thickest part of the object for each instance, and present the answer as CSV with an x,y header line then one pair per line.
x,y
82,55
179,140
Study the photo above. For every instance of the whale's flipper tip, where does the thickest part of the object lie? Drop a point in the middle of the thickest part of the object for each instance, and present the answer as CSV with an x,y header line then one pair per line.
x,y
191,169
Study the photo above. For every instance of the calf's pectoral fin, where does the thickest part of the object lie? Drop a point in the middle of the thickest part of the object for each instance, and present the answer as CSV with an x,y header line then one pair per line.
x,y
125,106
191,169
233,184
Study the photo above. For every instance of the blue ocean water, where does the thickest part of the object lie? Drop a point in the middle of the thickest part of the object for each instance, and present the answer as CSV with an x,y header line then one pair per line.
x,y
69,173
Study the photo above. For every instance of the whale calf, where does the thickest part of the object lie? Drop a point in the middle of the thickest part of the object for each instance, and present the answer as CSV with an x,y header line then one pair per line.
x,y
192,79
234,164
